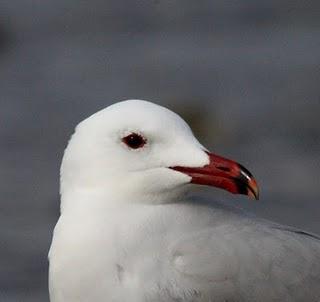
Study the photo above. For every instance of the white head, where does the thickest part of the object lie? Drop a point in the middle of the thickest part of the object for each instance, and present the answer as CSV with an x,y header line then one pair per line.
x,y
136,151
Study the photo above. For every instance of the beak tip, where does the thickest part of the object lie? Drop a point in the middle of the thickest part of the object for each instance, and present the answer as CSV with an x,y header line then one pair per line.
x,y
254,193
256,197
253,189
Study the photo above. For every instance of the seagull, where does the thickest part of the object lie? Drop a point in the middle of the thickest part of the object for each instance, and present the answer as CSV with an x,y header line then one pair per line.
x,y
131,229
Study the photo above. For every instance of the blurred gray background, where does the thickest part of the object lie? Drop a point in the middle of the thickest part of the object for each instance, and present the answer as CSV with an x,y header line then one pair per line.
x,y
245,74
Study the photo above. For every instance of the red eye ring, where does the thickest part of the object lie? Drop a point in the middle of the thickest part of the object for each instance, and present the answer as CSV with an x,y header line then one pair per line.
x,y
134,141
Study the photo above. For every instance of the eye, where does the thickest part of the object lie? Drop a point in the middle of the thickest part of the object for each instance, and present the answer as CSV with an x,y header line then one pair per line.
x,y
134,141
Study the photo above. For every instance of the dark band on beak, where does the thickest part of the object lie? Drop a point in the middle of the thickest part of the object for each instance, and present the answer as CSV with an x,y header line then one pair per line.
x,y
244,186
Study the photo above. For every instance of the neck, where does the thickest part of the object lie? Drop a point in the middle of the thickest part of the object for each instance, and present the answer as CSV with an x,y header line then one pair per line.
x,y
95,199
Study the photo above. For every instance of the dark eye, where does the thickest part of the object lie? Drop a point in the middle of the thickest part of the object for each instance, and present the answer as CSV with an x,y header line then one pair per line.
x,y
134,141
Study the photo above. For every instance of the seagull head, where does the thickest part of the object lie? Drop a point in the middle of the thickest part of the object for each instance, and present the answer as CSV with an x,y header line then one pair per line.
x,y
136,151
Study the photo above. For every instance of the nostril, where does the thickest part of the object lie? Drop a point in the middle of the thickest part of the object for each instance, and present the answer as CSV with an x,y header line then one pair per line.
x,y
224,169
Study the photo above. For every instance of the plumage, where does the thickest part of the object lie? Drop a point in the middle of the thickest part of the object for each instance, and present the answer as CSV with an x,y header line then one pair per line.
x,y
128,231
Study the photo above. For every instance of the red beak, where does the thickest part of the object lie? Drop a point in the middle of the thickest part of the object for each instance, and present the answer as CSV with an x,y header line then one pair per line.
x,y
223,173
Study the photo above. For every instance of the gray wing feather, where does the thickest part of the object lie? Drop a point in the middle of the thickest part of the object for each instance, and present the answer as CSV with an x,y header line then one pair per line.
x,y
250,262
